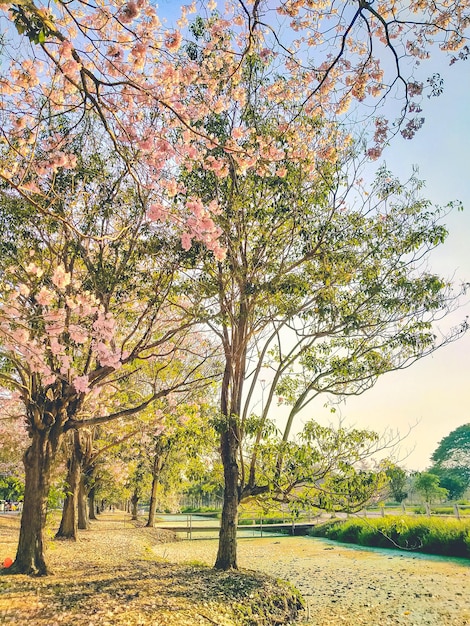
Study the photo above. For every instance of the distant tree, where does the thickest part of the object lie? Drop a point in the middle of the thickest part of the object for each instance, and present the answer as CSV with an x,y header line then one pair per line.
x,y
451,479
397,482
11,488
453,453
428,485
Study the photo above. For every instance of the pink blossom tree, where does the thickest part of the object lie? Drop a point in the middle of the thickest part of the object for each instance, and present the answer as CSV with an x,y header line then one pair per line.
x,y
85,300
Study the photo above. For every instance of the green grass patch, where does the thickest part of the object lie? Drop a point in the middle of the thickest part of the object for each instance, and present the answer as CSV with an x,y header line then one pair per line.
x,y
202,510
445,537
265,520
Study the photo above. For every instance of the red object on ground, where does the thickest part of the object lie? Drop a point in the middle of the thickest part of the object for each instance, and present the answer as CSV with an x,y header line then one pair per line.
x,y
8,562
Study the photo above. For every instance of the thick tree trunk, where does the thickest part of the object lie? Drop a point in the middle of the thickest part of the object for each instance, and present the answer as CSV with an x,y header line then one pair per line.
x,y
83,520
68,528
30,558
227,552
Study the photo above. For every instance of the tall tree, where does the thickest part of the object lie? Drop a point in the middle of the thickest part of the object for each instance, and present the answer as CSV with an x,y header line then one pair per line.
x,y
429,486
323,283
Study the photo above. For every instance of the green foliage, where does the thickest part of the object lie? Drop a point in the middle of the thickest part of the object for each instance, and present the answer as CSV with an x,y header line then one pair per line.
x,y
397,481
322,468
440,510
11,488
453,453
201,510
428,485
454,479
434,536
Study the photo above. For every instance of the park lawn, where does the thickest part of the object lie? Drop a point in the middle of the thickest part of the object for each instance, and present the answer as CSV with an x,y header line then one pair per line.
x,y
112,577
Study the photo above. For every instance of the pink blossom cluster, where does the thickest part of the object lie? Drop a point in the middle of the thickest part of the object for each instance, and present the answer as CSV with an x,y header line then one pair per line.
x,y
201,225
47,325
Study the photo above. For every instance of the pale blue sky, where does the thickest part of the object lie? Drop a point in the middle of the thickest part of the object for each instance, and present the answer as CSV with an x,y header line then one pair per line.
x,y
436,391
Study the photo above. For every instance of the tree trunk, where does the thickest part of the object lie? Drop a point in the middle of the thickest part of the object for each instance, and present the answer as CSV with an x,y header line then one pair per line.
x,y
83,520
153,502
91,503
227,552
135,502
30,558
158,464
68,528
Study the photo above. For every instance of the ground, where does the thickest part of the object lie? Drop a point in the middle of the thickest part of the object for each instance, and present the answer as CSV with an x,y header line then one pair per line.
x,y
120,574
343,585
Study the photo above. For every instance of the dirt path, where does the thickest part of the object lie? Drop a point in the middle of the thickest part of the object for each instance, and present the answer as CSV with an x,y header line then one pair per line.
x,y
348,586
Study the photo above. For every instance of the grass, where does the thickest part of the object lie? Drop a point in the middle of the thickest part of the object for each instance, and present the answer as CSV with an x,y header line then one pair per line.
x,y
446,537
111,577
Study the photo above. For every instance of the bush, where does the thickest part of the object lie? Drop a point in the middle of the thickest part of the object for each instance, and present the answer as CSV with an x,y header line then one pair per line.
x,y
434,536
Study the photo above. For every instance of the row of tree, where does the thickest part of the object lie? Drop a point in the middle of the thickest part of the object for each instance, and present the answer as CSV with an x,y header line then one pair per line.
x,y
182,212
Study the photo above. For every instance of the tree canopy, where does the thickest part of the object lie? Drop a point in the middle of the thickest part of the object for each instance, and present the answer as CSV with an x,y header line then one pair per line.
x,y
453,453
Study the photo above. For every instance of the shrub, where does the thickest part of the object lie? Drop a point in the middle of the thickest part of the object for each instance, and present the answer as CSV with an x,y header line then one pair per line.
x,y
435,536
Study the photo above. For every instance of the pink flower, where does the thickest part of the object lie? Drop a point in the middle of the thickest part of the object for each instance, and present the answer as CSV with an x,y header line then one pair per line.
x,y
104,326
374,153
196,207
44,297
71,68
56,347
81,384
20,335
65,50
34,270
77,334
173,41
156,211
60,277
129,12
186,241
65,362
219,253
106,357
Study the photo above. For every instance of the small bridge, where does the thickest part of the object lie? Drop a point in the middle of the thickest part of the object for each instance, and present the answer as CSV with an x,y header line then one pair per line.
x,y
195,525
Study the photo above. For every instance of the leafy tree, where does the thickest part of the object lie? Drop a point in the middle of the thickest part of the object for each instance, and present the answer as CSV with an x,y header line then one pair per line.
x,y
185,434
398,479
453,454
323,467
325,291
451,479
429,486
11,488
